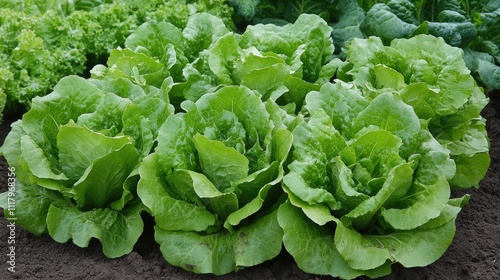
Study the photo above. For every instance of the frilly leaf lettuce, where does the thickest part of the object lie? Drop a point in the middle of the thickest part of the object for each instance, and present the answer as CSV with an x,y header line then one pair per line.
x,y
76,154
368,191
432,77
44,41
212,183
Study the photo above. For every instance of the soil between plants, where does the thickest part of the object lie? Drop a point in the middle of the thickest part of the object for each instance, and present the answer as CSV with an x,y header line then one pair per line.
x,y
473,254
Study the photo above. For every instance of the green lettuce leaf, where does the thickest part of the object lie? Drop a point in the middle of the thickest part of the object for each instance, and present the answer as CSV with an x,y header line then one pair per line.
x,y
117,231
313,247
222,252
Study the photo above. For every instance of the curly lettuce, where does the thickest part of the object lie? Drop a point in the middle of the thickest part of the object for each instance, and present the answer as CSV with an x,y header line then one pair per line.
x,y
44,41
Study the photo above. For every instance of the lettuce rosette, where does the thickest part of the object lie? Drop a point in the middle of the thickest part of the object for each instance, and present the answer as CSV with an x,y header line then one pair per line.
x,y
432,77
282,63
76,154
368,187
213,181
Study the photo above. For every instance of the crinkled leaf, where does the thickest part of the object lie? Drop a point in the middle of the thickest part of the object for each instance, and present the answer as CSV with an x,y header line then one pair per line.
x,y
79,147
117,231
410,248
220,203
225,251
158,196
314,249
429,205
103,181
362,216
32,204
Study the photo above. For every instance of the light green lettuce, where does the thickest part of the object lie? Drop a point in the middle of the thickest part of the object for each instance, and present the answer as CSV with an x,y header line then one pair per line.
x,y
368,187
282,63
76,154
44,41
432,77
213,182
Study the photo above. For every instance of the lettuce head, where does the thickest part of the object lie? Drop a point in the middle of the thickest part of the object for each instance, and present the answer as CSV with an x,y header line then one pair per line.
x,y
213,182
368,187
432,77
76,154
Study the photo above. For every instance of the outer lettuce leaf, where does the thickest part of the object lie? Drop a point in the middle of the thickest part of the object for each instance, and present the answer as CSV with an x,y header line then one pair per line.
x,y
225,251
313,247
117,231
32,205
212,183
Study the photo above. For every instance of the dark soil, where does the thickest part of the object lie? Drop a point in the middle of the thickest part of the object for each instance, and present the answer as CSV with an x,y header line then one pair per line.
x,y
474,253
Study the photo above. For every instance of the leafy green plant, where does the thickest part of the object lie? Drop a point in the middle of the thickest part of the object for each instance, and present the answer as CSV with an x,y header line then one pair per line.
x,y
212,183
115,116
471,25
43,41
432,77
368,187
239,143
374,163
283,63
279,12
76,153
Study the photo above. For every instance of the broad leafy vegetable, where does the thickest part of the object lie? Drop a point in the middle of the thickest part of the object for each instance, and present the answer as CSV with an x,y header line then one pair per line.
x,y
212,183
76,154
431,76
471,25
368,187
279,11
282,63
43,41
239,143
